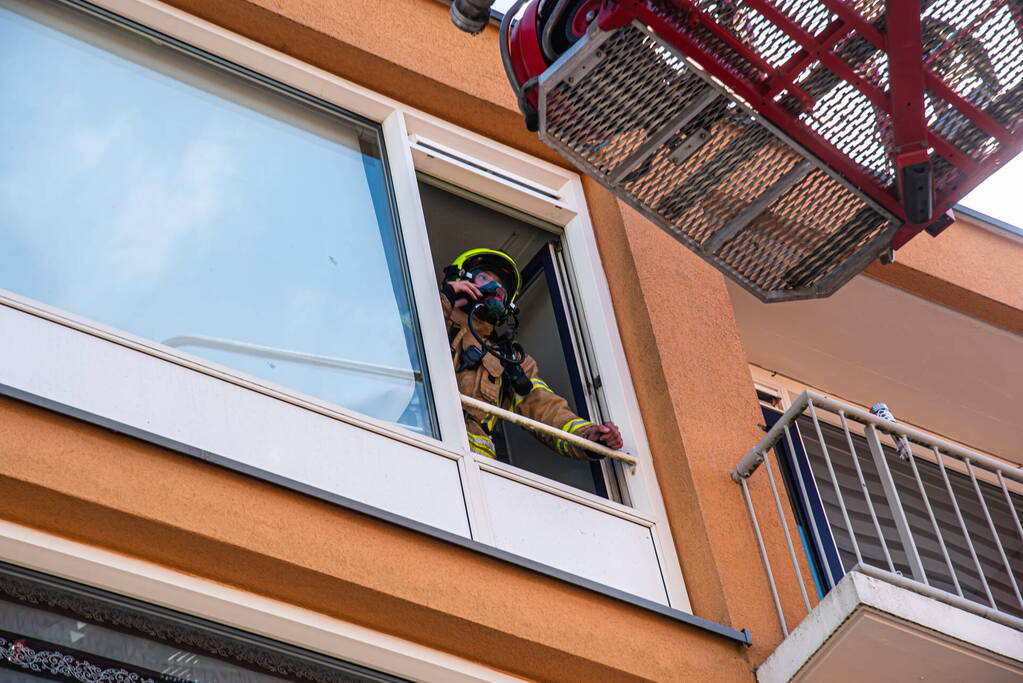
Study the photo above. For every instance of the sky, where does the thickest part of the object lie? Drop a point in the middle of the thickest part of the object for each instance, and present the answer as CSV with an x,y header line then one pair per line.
x,y
999,195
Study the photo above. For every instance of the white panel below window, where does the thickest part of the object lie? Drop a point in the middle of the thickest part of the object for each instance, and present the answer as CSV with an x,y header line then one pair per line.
x,y
104,378
574,538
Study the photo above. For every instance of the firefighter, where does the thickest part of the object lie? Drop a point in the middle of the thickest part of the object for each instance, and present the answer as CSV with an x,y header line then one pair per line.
x,y
478,299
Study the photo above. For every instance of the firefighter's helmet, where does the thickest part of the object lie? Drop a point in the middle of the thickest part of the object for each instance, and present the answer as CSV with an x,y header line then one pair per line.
x,y
468,263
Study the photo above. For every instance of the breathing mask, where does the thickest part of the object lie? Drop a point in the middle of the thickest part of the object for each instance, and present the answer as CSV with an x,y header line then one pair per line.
x,y
491,305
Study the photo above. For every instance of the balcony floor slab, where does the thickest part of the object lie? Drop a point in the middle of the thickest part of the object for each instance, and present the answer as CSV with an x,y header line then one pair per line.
x,y
869,629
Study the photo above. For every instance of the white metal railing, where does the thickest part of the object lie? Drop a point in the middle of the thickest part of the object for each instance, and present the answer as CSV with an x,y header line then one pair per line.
x,y
540,427
935,517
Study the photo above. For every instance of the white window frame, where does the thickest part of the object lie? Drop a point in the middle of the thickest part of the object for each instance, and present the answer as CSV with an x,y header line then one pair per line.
x,y
414,140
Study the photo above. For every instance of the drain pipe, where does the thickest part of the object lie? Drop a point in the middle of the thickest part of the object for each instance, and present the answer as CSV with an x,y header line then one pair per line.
x,y
471,16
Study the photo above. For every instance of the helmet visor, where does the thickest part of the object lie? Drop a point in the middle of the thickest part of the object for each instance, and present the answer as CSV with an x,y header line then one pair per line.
x,y
489,287
498,267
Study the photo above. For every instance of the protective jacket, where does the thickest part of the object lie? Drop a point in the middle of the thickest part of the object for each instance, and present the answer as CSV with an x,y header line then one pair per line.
x,y
485,382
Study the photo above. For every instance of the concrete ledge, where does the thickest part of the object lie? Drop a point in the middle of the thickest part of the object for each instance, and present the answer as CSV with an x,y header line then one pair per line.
x,y
873,620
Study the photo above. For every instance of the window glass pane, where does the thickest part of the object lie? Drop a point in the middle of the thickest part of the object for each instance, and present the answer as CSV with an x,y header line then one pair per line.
x,y
36,644
156,193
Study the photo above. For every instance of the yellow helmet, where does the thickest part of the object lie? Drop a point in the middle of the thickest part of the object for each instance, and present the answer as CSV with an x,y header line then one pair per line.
x,y
498,262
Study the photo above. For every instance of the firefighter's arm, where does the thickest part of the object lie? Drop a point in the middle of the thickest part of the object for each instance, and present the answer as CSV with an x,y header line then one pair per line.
x,y
460,292
446,308
450,312
540,403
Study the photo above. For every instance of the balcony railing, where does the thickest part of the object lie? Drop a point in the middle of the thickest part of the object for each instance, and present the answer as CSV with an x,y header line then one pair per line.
x,y
924,514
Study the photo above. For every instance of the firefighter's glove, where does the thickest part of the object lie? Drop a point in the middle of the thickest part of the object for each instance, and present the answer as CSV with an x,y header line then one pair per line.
x,y
606,434
460,292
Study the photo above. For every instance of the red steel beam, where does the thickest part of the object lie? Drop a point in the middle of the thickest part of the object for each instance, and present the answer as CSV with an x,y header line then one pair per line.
x,y
794,65
809,139
905,71
842,69
733,43
967,30
943,203
981,118
808,42
695,15
784,119
819,46
874,36
912,160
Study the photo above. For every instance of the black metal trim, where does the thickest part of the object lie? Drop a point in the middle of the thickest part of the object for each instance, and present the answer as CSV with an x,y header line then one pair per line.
x,y
741,636
988,220
543,264
495,15
38,590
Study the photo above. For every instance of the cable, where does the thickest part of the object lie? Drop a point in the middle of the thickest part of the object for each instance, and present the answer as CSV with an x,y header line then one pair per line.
x,y
513,347
552,21
505,56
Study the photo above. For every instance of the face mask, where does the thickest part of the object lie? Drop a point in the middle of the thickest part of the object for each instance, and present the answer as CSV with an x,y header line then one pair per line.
x,y
491,306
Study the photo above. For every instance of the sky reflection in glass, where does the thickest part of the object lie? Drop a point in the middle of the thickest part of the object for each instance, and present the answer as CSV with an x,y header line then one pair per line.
x,y
151,192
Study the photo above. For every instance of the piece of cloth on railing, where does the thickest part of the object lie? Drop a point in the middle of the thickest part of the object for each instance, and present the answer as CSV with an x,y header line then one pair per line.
x,y
902,446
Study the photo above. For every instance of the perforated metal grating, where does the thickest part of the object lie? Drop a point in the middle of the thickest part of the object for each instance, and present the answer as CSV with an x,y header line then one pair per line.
x,y
791,166
631,112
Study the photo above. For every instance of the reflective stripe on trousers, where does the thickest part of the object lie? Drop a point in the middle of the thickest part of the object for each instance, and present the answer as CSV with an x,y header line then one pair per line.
x,y
483,445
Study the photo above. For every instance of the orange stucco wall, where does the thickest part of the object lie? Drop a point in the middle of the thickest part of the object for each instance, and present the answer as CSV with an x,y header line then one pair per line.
x,y
699,404
969,268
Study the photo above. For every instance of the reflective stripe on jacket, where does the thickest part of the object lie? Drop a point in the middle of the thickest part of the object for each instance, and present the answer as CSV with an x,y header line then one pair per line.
x,y
484,382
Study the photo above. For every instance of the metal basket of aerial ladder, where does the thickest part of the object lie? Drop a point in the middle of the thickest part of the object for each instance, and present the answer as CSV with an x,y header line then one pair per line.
x,y
789,143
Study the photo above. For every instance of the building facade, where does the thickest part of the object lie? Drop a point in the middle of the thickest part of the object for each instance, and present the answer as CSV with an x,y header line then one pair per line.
x,y
231,442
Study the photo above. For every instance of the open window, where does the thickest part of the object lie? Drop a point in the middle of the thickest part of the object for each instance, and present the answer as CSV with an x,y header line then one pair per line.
x,y
458,220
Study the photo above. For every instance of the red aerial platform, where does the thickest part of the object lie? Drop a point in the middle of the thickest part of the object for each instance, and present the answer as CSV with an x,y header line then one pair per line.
x,y
788,142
